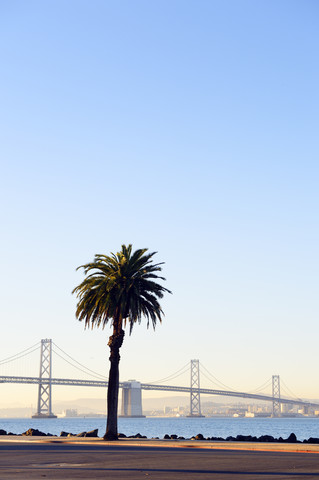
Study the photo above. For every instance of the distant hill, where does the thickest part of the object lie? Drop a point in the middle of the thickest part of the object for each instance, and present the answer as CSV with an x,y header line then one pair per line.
x,y
18,412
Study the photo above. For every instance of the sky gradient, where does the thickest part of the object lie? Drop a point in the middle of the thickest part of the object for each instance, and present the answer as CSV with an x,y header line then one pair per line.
x,y
189,128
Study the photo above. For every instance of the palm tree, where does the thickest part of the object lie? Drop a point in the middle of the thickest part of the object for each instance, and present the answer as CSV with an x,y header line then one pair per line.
x,y
119,289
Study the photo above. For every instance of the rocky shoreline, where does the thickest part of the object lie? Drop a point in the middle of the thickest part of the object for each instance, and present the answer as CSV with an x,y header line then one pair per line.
x,y
33,432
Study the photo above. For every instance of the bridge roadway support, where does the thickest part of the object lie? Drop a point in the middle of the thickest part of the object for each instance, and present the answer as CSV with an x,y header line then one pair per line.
x,y
132,399
44,409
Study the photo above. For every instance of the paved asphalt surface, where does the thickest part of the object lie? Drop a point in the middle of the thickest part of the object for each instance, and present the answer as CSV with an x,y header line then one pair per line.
x,y
30,460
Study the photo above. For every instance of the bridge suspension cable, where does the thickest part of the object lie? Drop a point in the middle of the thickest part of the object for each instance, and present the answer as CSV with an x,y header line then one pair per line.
x,y
215,381
262,387
87,370
21,354
287,389
227,387
179,372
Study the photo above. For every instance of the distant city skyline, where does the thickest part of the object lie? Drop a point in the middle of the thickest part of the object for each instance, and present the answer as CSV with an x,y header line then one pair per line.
x,y
189,128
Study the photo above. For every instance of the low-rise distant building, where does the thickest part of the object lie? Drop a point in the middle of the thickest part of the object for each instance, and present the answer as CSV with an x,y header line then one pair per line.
x,y
70,412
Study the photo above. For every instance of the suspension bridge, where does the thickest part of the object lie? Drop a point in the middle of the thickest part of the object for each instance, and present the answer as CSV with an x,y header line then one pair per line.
x,y
132,389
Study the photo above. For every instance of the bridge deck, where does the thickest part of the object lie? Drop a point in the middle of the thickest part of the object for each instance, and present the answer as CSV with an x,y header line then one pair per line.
x,y
147,386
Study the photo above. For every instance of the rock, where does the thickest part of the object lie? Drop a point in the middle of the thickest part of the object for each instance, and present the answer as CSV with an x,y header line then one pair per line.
x,y
312,440
246,438
3,432
10,433
64,434
241,438
291,439
181,438
266,438
92,433
121,435
71,435
167,437
34,432
173,437
230,439
199,436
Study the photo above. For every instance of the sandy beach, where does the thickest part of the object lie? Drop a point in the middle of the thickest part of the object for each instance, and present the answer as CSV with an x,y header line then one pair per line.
x,y
60,458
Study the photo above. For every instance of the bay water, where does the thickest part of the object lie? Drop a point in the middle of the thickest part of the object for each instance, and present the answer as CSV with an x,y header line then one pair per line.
x,y
151,427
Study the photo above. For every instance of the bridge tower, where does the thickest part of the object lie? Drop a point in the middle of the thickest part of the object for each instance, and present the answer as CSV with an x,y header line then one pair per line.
x,y
195,410
44,409
276,396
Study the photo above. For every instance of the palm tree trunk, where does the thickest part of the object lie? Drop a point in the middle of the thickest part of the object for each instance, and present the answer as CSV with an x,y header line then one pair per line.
x,y
115,343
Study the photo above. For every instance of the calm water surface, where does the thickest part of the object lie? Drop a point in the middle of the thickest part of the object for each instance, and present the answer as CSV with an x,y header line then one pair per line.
x,y
186,427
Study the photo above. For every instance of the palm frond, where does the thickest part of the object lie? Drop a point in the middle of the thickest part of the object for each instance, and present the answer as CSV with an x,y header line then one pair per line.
x,y
120,289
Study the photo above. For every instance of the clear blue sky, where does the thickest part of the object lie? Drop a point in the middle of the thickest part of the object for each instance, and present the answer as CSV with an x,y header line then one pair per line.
x,y
190,128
